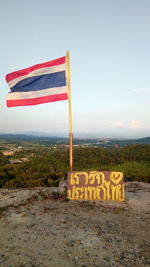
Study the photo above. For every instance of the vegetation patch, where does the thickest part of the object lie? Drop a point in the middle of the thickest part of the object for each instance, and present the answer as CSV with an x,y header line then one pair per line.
x,y
46,169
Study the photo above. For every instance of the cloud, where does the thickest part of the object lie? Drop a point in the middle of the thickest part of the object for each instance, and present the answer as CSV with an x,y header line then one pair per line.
x,y
133,124
117,123
141,90
136,124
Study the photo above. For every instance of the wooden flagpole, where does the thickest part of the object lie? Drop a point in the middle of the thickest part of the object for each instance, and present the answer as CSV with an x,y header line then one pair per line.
x,y
70,111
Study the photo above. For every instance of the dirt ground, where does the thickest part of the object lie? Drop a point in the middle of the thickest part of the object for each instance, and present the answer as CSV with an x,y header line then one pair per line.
x,y
39,227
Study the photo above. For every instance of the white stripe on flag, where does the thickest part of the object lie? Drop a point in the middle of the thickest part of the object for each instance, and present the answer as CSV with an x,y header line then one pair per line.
x,y
38,72
39,93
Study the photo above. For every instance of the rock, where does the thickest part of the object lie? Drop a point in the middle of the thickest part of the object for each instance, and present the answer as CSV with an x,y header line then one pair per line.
x,y
63,186
63,220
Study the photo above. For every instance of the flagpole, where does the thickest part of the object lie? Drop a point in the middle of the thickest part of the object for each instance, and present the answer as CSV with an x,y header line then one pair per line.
x,y
70,111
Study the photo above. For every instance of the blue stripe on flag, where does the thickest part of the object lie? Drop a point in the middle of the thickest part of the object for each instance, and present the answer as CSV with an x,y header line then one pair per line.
x,y
40,82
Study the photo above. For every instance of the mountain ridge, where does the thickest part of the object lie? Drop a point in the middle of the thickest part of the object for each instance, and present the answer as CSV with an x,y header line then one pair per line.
x,y
63,140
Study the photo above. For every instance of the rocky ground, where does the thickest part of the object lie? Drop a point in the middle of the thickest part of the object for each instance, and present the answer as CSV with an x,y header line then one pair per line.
x,y
39,227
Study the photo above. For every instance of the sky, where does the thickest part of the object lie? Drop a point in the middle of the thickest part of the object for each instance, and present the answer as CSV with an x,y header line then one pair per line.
x,y
109,44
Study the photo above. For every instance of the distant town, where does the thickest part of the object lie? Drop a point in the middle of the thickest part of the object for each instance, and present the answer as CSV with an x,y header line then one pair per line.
x,y
9,143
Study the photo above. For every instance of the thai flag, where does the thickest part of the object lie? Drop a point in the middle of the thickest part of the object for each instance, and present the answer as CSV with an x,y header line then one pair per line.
x,y
38,84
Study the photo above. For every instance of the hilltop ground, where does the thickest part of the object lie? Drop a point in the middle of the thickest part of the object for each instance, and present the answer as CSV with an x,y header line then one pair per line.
x,y
40,228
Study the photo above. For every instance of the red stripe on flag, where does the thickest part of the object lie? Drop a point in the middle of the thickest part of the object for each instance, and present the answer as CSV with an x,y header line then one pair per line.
x,y
19,73
36,101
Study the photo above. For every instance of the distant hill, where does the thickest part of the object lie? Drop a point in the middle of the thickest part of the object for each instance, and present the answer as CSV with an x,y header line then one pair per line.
x,y
141,141
145,140
17,138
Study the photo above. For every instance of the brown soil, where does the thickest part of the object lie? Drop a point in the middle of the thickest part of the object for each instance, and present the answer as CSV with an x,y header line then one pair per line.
x,y
41,228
